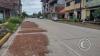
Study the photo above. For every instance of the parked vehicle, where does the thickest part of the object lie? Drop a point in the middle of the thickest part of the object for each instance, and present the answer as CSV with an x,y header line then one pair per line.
x,y
41,17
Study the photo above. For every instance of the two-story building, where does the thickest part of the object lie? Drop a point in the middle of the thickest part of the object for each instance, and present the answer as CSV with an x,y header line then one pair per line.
x,y
72,9
9,8
80,9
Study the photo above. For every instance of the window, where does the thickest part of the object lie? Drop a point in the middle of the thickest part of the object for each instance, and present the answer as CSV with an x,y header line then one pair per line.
x,y
77,1
67,4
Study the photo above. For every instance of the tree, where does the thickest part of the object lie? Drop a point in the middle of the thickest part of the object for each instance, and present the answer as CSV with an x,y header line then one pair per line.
x,y
96,15
24,14
39,14
34,15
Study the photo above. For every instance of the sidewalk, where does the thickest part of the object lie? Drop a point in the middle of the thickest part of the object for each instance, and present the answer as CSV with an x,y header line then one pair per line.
x,y
29,40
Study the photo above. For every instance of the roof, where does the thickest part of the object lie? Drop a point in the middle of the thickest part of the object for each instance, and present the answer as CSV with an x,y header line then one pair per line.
x,y
9,3
64,10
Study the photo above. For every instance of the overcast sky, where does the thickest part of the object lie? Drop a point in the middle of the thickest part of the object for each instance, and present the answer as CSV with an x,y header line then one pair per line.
x,y
31,6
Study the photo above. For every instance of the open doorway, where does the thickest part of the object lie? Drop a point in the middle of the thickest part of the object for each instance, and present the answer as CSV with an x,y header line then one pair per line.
x,y
91,15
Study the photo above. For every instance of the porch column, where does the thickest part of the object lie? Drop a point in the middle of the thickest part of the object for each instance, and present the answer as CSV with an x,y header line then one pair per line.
x,y
75,14
66,16
84,13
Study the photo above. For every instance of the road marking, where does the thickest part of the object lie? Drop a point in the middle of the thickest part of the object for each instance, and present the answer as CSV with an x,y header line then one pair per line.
x,y
69,48
84,44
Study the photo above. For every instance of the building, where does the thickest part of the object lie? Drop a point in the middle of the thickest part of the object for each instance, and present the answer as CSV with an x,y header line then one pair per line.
x,y
69,9
73,9
81,9
50,8
90,7
9,8
45,8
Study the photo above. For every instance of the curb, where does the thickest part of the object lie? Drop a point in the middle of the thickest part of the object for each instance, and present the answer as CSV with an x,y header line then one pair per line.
x,y
4,39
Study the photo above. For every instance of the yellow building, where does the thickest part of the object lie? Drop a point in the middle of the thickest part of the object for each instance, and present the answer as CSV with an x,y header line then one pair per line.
x,y
75,9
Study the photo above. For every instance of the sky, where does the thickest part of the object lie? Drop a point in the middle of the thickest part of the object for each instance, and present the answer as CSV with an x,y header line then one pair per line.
x,y
31,6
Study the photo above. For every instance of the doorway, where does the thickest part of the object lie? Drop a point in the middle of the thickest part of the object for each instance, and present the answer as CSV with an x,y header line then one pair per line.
x,y
91,15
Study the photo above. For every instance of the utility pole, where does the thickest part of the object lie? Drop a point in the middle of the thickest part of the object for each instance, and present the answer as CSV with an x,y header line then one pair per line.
x,y
80,8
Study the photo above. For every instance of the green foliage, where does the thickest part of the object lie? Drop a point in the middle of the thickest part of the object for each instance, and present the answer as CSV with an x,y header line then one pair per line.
x,y
96,13
73,19
15,20
39,14
11,26
24,14
1,21
34,15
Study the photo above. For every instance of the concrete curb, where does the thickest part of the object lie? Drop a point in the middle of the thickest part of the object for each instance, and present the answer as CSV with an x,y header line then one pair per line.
x,y
4,39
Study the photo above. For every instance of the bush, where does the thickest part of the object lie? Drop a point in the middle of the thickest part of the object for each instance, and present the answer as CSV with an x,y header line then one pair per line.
x,y
15,20
11,26
1,21
74,19
12,23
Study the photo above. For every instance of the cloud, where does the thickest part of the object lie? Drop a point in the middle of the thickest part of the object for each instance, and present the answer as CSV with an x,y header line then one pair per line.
x,y
31,6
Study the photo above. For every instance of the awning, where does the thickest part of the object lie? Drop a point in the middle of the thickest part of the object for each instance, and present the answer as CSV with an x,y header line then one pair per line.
x,y
64,10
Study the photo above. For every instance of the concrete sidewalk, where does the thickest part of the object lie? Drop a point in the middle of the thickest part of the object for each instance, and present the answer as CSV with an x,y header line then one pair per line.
x,y
68,40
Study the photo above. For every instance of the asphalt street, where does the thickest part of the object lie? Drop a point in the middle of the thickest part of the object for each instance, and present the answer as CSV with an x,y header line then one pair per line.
x,y
69,40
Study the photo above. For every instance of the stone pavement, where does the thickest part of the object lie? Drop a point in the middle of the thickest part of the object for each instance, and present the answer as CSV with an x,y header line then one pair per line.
x,y
69,40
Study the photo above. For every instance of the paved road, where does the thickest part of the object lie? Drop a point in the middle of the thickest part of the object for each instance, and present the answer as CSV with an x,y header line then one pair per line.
x,y
68,40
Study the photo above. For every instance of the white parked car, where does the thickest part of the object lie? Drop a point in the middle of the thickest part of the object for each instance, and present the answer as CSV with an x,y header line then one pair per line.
x,y
41,17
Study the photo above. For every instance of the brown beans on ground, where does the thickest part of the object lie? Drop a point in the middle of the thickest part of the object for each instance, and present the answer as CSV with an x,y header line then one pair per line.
x,y
29,44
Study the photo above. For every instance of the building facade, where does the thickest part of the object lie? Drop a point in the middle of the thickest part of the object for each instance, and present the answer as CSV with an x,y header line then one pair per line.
x,y
52,7
72,9
68,9
91,7
9,8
